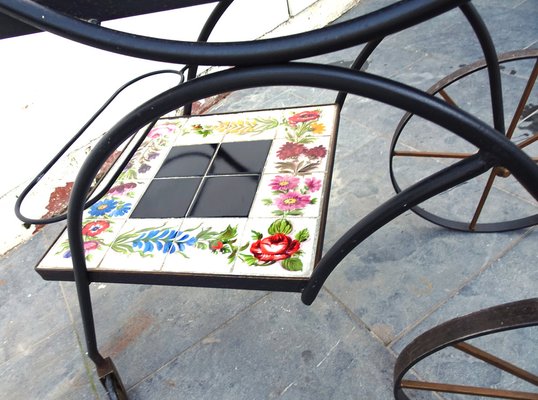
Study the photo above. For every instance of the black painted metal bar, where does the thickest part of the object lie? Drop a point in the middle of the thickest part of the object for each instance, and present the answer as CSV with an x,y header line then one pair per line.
x,y
382,22
357,65
70,142
208,27
99,10
490,54
397,205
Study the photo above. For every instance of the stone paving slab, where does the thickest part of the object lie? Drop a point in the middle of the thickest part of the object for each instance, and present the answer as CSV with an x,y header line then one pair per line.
x,y
55,368
279,349
30,308
143,327
511,277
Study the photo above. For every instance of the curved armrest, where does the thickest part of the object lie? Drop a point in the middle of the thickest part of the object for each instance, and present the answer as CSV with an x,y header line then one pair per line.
x,y
377,24
99,10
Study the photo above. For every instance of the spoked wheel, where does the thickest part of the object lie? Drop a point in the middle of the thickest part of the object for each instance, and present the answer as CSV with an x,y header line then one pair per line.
x,y
495,201
442,354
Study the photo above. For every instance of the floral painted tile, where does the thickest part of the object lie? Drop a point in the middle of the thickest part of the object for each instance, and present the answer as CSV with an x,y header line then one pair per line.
x,y
193,131
142,245
97,235
277,247
242,127
283,169
119,202
287,195
124,150
213,250
151,153
305,125
297,158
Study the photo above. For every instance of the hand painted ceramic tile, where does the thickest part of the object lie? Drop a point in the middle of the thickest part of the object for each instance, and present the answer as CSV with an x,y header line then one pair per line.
x,y
305,125
193,132
297,158
119,202
288,195
242,127
277,247
143,244
251,208
214,248
150,155
97,235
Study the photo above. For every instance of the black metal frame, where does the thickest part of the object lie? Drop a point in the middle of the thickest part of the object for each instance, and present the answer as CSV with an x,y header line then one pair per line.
x,y
265,63
95,11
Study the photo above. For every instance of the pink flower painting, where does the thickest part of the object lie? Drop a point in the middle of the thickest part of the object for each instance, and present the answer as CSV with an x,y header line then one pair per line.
x,y
286,182
292,201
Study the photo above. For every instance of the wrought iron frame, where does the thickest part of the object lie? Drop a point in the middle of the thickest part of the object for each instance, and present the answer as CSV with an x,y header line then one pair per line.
x,y
266,63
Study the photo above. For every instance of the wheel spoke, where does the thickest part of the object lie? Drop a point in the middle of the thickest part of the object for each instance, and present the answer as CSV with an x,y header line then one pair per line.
x,y
523,101
528,141
497,362
447,98
434,154
483,199
470,390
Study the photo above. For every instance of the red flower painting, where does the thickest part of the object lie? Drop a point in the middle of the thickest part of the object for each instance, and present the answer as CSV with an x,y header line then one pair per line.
x,y
94,228
303,116
276,247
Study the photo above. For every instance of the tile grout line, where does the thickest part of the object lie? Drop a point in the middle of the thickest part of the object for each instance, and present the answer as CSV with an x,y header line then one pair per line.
x,y
203,179
487,265
358,320
225,323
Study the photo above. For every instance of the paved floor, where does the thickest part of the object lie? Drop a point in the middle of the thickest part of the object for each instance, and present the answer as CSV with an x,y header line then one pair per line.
x,y
191,343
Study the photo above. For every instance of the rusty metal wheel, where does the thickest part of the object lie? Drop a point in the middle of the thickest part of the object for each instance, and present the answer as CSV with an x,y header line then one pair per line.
x,y
495,201
442,353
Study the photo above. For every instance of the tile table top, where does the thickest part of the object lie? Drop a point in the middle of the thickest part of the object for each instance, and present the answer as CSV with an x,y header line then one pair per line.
x,y
229,196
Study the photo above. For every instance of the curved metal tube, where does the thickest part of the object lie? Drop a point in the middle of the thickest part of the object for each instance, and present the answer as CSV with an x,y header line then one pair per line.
x,y
208,27
494,146
397,205
70,142
490,54
377,24
357,65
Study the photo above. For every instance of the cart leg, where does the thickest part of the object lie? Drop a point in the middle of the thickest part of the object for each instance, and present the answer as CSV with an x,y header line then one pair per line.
x,y
108,375
111,381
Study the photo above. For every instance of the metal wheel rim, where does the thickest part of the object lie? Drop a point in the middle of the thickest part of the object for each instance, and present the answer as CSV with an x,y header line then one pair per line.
x,y
457,75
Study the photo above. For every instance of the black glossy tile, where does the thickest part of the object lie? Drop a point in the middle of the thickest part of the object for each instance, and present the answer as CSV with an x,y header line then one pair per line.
x,y
187,161
240,158
167,198
225,196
